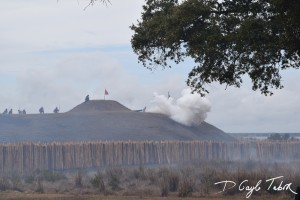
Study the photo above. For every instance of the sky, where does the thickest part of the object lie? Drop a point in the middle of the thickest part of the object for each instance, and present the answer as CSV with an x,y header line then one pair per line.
x,y
54,53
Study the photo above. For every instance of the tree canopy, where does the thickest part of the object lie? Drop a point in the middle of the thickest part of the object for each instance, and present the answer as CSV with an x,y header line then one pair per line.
x,y
226,39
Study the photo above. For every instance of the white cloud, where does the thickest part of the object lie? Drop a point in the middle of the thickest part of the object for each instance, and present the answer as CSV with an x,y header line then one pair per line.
x,y
242,110
65,83
50,25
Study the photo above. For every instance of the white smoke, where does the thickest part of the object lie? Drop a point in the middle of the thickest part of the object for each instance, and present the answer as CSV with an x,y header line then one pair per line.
x,y
190,109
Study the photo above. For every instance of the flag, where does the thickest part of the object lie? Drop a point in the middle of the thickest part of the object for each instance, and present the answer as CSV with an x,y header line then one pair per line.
x,y
105,92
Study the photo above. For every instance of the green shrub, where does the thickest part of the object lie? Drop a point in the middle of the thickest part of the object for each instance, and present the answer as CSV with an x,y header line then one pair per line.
x,y
40,187
207,178
152,176
78,179
52,176
173,179
98,181
186,188
114,176
139,174
164,187
16,182
4,184
169,181
29,179
114,182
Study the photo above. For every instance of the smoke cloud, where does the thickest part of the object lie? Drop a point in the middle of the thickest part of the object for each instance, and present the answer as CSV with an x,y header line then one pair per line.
x,y
190,109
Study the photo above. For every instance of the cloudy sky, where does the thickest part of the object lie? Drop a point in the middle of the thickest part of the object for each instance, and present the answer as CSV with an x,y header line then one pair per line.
x,y
54,53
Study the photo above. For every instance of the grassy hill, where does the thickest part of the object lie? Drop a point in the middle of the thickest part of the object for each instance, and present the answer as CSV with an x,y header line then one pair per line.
x,y
101,120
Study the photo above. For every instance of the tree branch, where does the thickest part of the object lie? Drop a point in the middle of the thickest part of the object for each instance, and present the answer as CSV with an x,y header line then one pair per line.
x,y
92,2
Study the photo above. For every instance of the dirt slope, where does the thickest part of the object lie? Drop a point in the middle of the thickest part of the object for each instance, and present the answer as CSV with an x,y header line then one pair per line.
x,y
101,120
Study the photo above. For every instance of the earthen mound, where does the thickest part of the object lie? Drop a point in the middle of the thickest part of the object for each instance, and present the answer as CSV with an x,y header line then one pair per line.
x,y
98,106
102,120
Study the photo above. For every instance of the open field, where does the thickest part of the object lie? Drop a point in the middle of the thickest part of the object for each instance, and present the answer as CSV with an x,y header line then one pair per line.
x,y
21,196
193,181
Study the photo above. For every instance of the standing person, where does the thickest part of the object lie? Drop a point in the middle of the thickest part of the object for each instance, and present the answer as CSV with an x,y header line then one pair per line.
x,y
5,111
41,110
56,110
87,98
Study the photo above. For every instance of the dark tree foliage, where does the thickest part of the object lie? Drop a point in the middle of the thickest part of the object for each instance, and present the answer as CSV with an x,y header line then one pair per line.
x,y
277,136
226,39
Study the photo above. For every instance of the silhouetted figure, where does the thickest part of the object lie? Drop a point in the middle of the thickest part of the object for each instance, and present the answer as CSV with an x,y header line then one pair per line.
x,y
87,98
20,112
41,110
142,110
10,112
56,110
24,112
5,111
297,196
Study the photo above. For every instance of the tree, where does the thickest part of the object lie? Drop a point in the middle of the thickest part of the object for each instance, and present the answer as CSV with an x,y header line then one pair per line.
x,y
92,2
279,137
226,39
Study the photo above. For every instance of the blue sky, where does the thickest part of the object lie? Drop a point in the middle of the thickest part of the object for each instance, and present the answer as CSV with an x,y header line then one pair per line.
x,y
54,53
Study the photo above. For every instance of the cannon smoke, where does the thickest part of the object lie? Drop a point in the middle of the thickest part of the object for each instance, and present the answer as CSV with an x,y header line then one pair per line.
x,y
190,109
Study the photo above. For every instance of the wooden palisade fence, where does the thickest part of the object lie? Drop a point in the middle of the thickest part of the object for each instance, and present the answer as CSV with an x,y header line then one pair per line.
x,y
26,157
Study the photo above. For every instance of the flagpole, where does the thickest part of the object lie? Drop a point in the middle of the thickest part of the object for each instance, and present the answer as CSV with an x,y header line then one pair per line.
x,y
105,93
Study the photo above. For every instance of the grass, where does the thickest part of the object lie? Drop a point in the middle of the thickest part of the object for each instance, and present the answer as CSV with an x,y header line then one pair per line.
x,y
22,196
189,181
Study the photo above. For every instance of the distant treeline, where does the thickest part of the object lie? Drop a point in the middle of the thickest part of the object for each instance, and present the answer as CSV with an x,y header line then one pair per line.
x,y
74,155
264,134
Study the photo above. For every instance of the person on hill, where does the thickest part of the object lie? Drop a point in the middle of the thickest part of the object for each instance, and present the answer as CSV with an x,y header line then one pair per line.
x,y
5,111
41,110
20,112
24,112
87,98
10,112
56,110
